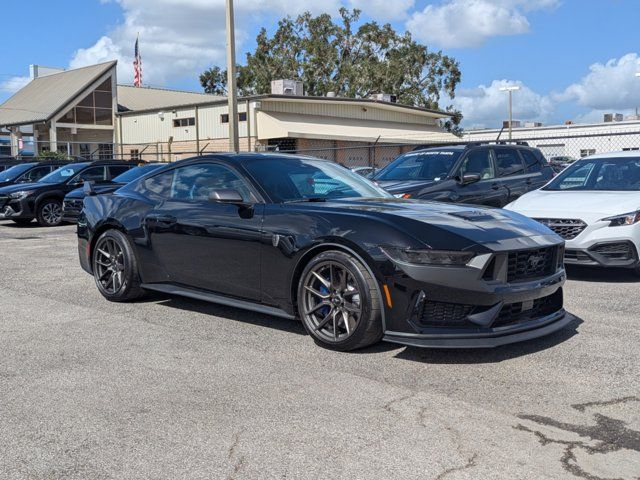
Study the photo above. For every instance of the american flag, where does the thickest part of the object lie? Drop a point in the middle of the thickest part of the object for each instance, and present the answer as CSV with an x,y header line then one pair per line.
x,y
137,67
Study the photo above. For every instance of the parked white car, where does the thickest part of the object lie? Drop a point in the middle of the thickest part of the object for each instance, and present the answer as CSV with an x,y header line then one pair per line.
x,y
595,206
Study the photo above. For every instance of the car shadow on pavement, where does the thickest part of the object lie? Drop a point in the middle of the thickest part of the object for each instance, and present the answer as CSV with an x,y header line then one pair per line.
x,y
230,313
490,355
595,274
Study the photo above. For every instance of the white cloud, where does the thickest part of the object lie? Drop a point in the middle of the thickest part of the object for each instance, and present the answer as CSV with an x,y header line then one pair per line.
x,y
469,23
13,84
384,10
487,106
612,85
180,38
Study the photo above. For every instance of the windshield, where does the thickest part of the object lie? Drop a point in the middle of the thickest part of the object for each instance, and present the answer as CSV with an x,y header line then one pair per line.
x,y
63,174
609,174
290,179
15,171
431,165
131,175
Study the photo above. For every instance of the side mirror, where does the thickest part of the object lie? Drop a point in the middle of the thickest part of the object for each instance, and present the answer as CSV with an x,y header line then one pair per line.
x,y
469,178
88,189
226,195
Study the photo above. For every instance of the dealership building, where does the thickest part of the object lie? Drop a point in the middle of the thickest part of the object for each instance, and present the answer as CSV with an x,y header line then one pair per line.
x,y
85,112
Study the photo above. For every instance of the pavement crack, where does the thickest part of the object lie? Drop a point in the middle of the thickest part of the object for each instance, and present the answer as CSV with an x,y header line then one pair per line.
x,y
606,436
232,453
471,462
387,406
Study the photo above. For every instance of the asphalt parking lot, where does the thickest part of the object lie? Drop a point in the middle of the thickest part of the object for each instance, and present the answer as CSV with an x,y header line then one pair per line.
x,y
174,388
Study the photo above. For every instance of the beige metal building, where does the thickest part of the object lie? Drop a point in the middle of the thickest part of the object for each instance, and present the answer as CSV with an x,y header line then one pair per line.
x,y
84,112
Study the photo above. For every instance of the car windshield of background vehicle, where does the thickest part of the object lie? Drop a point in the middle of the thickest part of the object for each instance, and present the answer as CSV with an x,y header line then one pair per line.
x,y
137,172
299,179
63,174
15,171
606,174
430,166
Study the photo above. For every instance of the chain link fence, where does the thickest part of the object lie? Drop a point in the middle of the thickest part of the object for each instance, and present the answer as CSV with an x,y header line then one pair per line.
x,y
358,155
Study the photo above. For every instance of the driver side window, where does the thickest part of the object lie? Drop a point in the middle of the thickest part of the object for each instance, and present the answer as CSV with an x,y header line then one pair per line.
x,y
478,162
93,174
198,182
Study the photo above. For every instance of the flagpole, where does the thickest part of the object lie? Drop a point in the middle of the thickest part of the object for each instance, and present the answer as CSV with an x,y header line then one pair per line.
x,y
234,143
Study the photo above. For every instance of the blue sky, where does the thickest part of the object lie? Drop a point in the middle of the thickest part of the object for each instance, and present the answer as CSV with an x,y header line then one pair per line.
x,y
574,59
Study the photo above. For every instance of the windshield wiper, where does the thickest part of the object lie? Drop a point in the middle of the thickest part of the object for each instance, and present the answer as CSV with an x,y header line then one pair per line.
x,y
310,199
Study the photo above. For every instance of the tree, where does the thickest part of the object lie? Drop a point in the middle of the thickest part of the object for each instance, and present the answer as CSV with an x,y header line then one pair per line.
x,y
352,62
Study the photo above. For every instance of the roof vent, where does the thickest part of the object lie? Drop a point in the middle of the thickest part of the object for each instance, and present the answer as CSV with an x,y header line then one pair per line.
x,y
287,87
36,71
384,97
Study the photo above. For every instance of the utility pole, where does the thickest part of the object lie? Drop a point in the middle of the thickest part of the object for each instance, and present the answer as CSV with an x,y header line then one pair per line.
x,y
510,90
234,143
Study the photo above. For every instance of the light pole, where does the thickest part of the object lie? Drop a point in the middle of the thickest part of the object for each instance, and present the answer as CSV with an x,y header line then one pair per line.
x,y
234,143
511,89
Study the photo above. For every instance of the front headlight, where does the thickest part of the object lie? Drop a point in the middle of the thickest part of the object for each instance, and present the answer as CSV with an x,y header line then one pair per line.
x,y
20,195
624,219
428,257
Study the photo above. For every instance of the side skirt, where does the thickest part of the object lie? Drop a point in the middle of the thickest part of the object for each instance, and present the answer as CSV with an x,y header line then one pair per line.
x,y
215,298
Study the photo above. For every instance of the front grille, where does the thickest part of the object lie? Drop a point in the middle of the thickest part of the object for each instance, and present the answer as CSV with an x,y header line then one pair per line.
x,y
567,228
615,251
514,313
72,206
442,314
530,264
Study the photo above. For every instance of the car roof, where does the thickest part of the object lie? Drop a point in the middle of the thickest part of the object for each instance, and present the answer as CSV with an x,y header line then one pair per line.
x,y
625,154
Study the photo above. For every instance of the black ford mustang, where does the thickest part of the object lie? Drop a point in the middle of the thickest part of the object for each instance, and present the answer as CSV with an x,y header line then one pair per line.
x,y
295,236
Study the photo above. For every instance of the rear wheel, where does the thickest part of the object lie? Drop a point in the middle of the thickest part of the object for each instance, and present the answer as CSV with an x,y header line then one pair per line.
x,y
22,221
115,268
339,302
49,213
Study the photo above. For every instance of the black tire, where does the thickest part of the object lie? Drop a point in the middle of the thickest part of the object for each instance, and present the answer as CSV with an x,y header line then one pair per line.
x,y
22,221
124,283
319,300
49,212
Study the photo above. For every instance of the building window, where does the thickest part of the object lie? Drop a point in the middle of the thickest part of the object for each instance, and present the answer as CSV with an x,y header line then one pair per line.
x,y
105,151
184,122
242,117
585,152
94,109
135,154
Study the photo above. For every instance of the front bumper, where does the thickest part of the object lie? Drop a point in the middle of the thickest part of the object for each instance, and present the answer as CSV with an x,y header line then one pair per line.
x,y
622,254
15,209
498,298
535,329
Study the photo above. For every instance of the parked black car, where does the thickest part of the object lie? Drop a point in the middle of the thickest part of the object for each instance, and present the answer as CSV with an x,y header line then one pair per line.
x,y
28,172
482,174
295,236
42,200
72,205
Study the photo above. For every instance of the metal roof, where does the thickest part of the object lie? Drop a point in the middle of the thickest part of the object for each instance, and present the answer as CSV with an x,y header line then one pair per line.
x,y
44,97
145,98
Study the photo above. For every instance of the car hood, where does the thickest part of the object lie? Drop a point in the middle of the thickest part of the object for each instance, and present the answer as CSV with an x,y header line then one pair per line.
x,y
404,186
99,189
589,206
478,225
22,186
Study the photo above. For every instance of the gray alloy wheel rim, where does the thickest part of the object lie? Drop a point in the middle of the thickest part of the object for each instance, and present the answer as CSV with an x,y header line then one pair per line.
x,y
332,302
52,213
109,265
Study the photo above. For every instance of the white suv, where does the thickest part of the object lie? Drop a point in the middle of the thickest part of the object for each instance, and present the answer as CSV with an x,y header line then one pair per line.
x,y
595,206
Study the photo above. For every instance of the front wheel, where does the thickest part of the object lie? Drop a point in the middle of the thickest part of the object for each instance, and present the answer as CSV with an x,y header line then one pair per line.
x,y
339,302
49,213
115,268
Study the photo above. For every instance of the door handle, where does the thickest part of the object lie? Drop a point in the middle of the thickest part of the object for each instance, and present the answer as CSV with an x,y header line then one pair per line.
x,y
165,220
495,186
